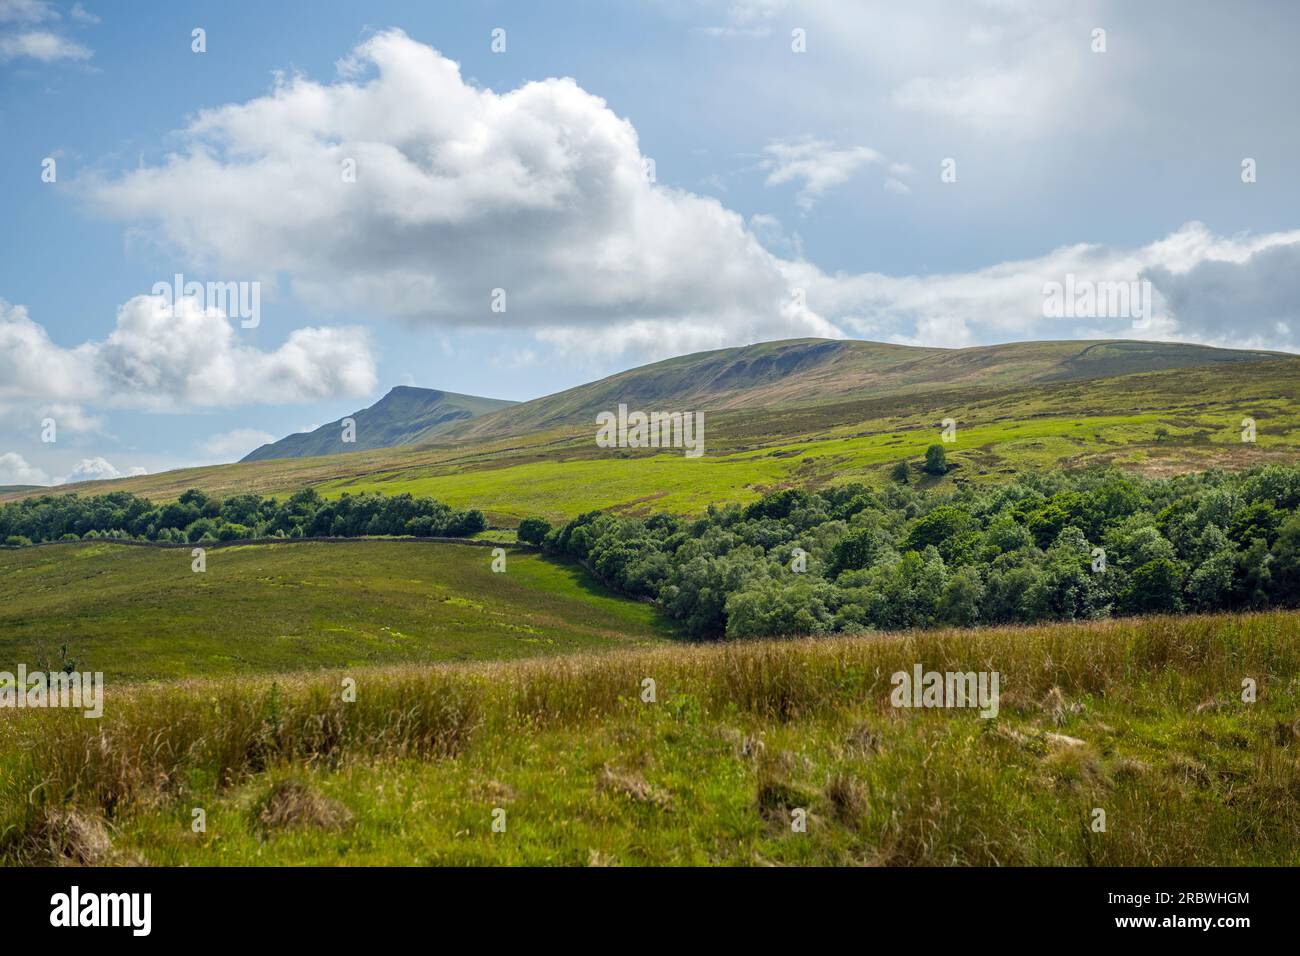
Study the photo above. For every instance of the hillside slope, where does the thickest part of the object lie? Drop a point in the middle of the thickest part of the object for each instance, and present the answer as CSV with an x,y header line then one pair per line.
x,y
1030,406
405,416
139,613
807,371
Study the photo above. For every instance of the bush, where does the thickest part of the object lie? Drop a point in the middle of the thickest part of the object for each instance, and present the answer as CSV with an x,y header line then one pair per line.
x,y
534,530
195,517
466,523
936,460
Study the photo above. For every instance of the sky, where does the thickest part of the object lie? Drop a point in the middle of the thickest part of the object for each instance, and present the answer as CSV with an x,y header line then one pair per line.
x,y
512,198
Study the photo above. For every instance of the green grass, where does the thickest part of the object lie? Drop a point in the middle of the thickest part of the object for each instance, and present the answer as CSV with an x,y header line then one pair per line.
x,y
141,613
1148,712
671,482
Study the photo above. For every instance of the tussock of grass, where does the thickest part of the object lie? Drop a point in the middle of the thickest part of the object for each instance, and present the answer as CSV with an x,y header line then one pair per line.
x,y
292,804
56,836
1092,715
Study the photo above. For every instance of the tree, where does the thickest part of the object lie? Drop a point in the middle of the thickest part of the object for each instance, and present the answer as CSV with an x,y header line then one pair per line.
x,y
767,607
777,504
960,601
534,530
857,549
937,527
900,473
1155,588
464,524
936,460
1210,585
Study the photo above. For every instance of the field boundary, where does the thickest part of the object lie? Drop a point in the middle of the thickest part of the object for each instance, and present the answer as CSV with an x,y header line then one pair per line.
x,y
517,546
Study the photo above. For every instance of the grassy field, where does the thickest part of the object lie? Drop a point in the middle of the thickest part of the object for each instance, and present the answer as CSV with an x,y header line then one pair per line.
x,y
1157,423
1142,719
480,694
140,613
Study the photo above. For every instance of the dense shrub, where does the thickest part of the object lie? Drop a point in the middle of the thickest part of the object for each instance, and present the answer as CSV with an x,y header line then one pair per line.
x,y
1061,546
534,530
196,517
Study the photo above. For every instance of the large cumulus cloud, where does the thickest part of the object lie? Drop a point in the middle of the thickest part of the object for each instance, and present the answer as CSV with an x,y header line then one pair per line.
x,y
541,191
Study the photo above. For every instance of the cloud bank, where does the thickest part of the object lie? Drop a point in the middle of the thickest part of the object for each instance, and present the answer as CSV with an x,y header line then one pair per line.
x,y
541,193
164,357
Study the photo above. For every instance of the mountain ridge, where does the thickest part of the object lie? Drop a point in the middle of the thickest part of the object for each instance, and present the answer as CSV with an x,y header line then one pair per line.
x,y
785,373
794,372
405,415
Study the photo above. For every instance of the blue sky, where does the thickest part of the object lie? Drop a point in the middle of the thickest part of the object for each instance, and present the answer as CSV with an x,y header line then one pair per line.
x,y
794,193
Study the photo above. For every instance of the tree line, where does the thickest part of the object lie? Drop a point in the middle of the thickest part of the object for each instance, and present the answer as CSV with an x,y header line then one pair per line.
x,y
1059,546
1054,546
197,517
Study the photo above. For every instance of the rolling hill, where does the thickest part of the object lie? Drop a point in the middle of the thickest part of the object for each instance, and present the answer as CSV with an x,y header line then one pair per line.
x,y
807,371
811,413
405,416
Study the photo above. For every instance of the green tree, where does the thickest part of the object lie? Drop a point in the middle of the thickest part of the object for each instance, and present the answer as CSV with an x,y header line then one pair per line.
x,y
1154,588
936,460
534,530
962,594
766,607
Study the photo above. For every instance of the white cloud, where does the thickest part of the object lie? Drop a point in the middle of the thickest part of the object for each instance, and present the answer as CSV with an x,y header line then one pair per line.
x,y
235,444
539,191
1006,65
27,11
71,418
771,233
747,18
1200,286
41,45
815,163
96,469
82,15
162,357
14,470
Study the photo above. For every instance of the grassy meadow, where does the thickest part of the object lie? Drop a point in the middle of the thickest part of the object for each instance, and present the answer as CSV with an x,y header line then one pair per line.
x,y
518,698
1141,718
141,613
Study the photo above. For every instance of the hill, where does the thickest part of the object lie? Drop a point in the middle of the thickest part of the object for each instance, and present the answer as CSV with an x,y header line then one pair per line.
x,y
808,371
810,419
405,416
